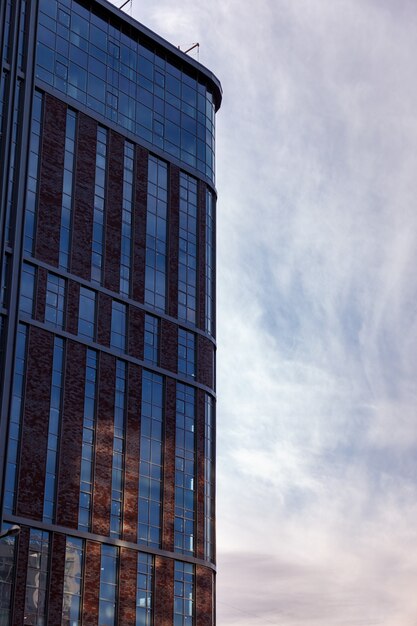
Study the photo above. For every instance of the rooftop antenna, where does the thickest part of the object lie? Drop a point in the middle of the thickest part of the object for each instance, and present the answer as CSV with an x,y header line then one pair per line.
x,y
195,45
125,3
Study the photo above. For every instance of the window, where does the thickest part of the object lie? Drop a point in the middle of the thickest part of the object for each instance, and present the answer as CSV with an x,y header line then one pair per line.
x,y
185,470
209,489
151,348
118,326
126,239
187,265
32,180
55,300
210,262
67,191
27,289
99,206
7,576
144,589
118,450
186,353
53,430
37,576
89,427
108,585
184,594
87,313
156,234
74,559
150,471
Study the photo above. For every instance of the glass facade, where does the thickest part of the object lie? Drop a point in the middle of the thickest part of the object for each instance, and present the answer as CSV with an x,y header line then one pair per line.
x,y
97,255
187,265
120,78
209,487
118,326
107,610
144,592
55,300
37,578
186,353
184,583
127,210
210,262
67,190
87,313
27,289
89,429
184,528
7,571
73,578
118,450
33,173
150,473
151,340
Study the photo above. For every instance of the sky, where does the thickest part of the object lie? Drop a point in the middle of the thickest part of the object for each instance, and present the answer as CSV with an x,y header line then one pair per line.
x,y
317,302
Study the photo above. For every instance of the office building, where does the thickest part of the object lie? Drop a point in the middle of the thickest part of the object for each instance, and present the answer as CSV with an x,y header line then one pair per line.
x,y
107,321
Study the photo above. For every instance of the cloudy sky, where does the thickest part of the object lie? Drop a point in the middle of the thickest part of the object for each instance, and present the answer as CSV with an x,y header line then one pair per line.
x,y
317,303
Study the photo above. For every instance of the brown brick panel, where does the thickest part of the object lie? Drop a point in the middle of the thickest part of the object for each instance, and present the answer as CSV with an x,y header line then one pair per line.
x,y
56,591
73,299
50,181
113,212
104,445
169,344
104,319
205,361
35,424
139,224
169,467
204,604
84,197
40,300
68,484
201,238
164,598
21,563
136,332
173,233
131,484
200,449
91,583
127,587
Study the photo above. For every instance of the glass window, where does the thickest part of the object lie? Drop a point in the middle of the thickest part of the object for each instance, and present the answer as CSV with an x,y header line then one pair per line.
x,y
187,264
126,239
33,167
209,487
118,326
185,470
156,234
108,585
210,262
55,300
145,576
7,576
186,353
151,338
36,577
27,289
87,313
150,469
118,450
73,577
89,428
99,206
67,192
184,583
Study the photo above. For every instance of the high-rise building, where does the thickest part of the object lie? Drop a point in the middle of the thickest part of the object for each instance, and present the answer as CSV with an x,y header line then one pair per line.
x,y
107,321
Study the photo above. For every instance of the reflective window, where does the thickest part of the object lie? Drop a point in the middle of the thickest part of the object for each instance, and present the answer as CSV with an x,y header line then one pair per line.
x,y
186,353
210,262
91,60
7,19
13,166
27,289
87,314
144,589
33,170
89,427
6,576
73,577
156,234
108,585
187,264
4,294
126,239
184,594
16,412
55,300
118,326
53,430
185,470
67,190
37,577
150,472
151,339
209,487
118,450
99,207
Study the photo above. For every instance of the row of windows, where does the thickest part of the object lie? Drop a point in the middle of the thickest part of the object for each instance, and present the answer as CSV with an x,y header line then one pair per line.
x,y
151,440
92,61
156,253
55,305
37,581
